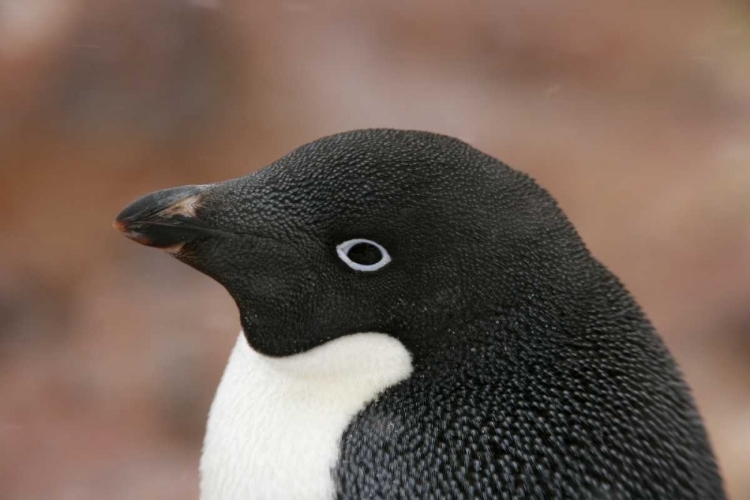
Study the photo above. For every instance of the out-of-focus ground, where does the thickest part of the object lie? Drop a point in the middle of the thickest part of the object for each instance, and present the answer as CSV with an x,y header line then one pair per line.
x,y
635,115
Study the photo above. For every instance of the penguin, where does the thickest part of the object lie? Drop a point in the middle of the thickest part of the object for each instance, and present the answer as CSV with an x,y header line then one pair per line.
x,y
419,320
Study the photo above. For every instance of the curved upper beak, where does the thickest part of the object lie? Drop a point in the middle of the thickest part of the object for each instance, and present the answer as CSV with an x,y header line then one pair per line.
x,y
164,219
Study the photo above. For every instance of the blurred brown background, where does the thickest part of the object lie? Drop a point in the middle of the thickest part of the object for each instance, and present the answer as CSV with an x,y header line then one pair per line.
x,y
634,114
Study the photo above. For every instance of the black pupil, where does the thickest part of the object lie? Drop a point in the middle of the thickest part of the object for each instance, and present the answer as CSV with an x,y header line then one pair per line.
x,y
365,254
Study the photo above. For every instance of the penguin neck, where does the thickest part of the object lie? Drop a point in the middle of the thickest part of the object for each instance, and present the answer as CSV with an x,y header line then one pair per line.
x,y
269,413
530,317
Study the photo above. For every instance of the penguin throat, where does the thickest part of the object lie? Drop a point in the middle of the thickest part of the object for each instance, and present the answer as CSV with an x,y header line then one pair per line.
x,y
275,423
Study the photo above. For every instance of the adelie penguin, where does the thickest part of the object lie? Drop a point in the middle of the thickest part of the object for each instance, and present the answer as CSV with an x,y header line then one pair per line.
x,y
421,321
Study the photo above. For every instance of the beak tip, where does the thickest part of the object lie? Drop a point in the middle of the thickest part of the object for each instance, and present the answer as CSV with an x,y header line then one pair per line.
x,y
124,228
119,225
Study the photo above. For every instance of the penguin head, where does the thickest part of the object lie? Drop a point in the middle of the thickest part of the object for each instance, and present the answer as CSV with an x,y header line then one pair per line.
x,y
411,234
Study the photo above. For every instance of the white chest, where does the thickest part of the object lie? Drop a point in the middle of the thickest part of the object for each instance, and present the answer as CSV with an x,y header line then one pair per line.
x,y
275,423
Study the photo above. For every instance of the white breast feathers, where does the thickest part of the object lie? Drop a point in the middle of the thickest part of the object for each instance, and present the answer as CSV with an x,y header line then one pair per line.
x,y
275,424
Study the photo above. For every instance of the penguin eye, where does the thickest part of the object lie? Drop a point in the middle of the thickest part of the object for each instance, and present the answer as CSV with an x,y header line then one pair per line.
x,y
363,255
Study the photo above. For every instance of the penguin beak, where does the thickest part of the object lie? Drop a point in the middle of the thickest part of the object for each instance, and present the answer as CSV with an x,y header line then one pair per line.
x,y
165,219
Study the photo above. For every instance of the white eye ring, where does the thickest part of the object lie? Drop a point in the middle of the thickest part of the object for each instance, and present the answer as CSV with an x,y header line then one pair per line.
x,y
343,251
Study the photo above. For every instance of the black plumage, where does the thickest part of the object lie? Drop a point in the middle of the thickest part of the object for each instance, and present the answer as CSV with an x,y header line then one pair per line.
x,y
563,391
536,375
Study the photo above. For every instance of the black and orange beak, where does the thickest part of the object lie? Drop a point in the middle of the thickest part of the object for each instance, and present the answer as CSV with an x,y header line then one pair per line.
x,y
165,219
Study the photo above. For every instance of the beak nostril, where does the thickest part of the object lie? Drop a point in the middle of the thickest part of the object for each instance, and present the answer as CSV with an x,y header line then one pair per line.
x,y
185,207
